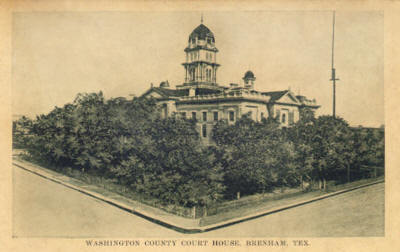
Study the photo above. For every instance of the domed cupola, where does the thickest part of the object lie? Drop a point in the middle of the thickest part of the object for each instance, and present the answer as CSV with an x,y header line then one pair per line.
x,y
201,58
201,33
249,79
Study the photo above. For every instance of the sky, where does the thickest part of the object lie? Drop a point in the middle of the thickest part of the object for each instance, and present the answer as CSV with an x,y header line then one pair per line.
x,y
57,55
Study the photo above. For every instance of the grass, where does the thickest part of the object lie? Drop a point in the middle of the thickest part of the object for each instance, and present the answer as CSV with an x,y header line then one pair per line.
x,y
217,213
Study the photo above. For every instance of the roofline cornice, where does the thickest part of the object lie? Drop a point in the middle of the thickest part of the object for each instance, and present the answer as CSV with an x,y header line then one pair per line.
x,y
188,49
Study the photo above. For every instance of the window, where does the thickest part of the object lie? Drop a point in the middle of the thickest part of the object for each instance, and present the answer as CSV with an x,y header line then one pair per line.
x,y
194,115
215,116
204,130
278,114
192,74
205,116
231,116
183,115
208,74
165,110
283,118
262,115
291,117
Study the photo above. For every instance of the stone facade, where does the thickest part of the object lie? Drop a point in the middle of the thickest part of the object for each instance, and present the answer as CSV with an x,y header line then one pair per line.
x,y
201,98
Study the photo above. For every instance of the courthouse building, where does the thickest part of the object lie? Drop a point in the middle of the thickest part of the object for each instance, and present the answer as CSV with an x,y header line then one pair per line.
x,y
200,96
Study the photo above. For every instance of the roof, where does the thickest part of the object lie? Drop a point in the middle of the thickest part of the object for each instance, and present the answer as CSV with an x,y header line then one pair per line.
x,y
249,75
202,32
276,95
165,92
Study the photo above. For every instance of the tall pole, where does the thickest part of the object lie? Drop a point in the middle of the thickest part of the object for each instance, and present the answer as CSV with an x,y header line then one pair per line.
x,y
333,78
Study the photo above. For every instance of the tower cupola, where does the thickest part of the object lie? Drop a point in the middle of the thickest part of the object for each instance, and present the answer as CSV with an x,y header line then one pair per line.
x,y
201,58
249,79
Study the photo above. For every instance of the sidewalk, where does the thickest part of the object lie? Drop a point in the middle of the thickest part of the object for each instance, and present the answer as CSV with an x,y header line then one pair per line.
x,y
180,224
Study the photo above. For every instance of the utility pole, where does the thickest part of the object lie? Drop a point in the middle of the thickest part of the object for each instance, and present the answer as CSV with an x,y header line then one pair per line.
x,y
333,77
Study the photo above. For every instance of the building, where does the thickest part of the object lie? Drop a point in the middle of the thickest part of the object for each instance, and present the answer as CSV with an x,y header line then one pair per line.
x,y
200,96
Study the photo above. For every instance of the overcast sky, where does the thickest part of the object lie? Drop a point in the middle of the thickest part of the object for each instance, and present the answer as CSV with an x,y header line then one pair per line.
x,y
58,55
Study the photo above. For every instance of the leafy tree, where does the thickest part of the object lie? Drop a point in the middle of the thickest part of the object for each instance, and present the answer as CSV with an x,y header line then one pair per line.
x,y
20,132
332,147
256,156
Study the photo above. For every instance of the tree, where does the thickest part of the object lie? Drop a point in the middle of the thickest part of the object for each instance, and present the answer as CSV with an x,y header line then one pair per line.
x,y
20,132
255,156
332,147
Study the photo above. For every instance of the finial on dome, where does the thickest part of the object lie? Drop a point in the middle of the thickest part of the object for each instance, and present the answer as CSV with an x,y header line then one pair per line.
x,y
201,17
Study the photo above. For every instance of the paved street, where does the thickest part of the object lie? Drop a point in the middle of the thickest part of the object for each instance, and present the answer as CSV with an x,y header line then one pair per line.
x,y
356,213
42,208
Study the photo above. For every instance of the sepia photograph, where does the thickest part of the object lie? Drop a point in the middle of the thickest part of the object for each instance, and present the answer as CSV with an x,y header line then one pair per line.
x,y
198,124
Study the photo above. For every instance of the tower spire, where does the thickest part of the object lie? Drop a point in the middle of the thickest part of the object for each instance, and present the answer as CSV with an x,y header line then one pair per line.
x,y
201,17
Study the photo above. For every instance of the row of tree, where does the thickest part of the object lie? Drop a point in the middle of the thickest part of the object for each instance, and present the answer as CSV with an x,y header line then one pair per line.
x,y
127,141
130,142
259,157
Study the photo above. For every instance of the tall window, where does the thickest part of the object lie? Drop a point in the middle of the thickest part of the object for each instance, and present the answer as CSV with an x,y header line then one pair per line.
x,y
165,110
204,130
192,74
205,116
194,115
208,74
215,116
291,117
283,118
231,116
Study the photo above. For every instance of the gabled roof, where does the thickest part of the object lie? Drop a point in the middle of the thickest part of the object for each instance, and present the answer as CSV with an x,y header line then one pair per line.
x,y
279,97
167,93
275,95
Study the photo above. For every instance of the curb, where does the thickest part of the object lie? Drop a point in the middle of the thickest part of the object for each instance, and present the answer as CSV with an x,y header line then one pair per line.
x,y
188,229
